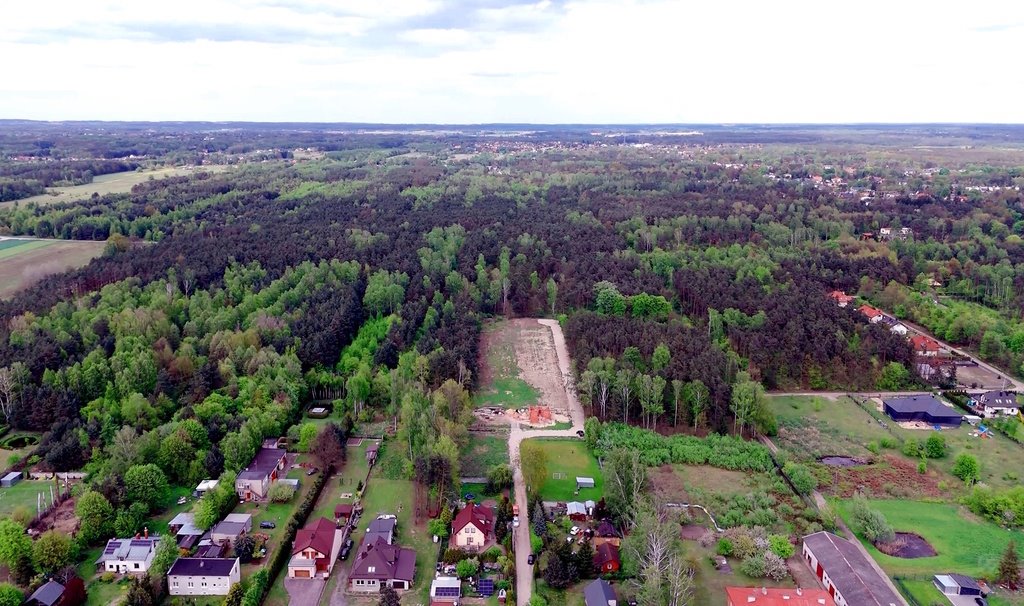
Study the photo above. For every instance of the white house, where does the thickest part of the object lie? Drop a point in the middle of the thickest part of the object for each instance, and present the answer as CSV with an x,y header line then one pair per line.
x,y
996,403
128,556
203,576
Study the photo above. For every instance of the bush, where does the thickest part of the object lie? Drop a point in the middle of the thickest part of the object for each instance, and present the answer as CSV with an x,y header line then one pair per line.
x,y
922,467
467,568
724,547
781,546
801,477
912,448
873,447
888,442
870,523
454,555
935,446
753,566
775,567
967,468
280,493
726,452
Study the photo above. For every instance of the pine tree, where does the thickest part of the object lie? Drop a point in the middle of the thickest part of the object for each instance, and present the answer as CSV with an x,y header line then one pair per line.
x,y
389,597
1009,567
556,574
584,560
540,523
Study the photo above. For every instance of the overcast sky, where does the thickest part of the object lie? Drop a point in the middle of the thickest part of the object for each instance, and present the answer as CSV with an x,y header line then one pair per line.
x,y
552,61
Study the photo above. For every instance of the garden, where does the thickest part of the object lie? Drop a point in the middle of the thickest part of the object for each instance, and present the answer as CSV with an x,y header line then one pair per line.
x,y
567,459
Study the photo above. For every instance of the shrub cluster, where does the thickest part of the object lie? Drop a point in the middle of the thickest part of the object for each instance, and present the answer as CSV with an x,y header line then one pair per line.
x,y
726,452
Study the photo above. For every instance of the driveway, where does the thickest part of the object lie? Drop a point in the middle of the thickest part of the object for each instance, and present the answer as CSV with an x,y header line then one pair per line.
x,y
524,572
304,591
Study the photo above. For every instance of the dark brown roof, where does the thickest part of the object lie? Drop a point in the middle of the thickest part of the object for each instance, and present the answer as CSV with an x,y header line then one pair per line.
x,y
606,552
477,515
607,530
852,574
387,562
342,509
262,464
318,536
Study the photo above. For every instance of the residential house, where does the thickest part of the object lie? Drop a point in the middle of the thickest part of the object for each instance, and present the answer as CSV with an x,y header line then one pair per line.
x,y
473,528
378,564
956,584
873,315
606,558
445,589
599,593
205,486
231,528
52,593
186,533
777,596
996,403
846,573
924,345
203,576
315,550
924,408
128,556
606,533
254,481
895,233
841,298
342,514
383,529
899,329
576,511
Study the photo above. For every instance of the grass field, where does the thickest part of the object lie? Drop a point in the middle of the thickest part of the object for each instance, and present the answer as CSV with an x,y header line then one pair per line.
x,y
28,261
965,544
810,427
570,458
114,183
482,453
22,494
501,384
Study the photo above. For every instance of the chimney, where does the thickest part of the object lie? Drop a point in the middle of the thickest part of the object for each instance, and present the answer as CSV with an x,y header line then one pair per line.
x,y
799,591
137,535
145,531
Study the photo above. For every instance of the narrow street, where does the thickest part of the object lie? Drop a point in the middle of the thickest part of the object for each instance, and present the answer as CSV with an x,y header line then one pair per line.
x,y
524,572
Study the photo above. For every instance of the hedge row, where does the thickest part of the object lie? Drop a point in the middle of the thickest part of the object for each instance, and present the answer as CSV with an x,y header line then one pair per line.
x,y
727,452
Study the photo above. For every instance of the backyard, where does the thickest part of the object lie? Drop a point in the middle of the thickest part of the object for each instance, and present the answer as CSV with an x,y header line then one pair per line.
x,y
24,494
482,453
567,459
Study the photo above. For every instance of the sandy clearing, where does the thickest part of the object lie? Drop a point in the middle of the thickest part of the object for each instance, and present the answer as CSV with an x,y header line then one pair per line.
x,y
29,266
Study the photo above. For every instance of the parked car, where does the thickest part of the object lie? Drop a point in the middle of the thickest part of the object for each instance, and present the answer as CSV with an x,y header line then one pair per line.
x,y
387,516
515,521
182,500
267,524
349,543
531,559
568,539
469,496
311,471
574,530
344,552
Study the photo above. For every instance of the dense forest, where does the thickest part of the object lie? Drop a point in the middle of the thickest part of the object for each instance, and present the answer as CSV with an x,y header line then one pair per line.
x,y
680,269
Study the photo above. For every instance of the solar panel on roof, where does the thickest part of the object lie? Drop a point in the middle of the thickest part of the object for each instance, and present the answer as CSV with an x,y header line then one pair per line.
x,y
110,549
140,543
446,592
485,588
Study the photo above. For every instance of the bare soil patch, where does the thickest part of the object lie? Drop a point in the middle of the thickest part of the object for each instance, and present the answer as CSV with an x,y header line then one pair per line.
x,y
26,268
538,363
908,545
889,476
838,461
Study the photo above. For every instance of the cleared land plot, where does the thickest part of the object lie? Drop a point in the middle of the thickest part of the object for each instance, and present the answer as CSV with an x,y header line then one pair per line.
x,y
114,183
710,584
812,427
501,383
482,453
965,543
566,460
28,261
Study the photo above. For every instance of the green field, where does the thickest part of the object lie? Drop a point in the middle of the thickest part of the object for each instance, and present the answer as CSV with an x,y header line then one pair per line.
x,y
114,183
965,544
23,494
10,247
811,426
569,458
26,261
483,452
502,385
510,392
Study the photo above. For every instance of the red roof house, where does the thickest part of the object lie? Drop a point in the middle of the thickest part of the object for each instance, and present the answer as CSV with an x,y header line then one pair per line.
x,y
606,558
873,315
315,550
777,596
473,528
925,346
841,298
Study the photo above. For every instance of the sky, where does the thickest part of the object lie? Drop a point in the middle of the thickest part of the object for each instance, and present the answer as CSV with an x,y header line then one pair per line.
x,y
520,61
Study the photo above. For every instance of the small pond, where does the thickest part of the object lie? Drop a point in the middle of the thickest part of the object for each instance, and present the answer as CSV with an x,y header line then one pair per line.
x,y
839,461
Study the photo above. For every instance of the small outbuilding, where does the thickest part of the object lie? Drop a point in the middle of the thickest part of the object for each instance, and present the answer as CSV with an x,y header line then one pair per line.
x,y
584,482
10,479
956,584
371,452
576,511
445,589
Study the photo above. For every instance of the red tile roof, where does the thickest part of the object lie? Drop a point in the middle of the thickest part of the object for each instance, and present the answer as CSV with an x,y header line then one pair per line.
x,y
869,311
775,596
606,552
477,515
924,343
319,536
840,296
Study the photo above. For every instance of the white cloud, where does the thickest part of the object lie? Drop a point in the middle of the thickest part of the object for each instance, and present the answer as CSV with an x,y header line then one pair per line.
x,y
581,61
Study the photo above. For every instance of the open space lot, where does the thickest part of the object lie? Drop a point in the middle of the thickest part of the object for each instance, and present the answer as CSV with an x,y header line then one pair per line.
x,y
811,427
27,261
23,494
114,183
482,453
566,460
501,380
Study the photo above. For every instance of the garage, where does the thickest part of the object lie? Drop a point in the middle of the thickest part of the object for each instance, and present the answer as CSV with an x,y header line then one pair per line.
x,y
301,573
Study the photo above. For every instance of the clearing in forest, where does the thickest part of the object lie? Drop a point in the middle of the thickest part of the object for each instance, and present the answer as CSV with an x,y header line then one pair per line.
x,y
114,183
519,368
24,262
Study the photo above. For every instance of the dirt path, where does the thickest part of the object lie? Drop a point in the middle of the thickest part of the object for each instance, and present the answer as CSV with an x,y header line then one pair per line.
x,y
524,572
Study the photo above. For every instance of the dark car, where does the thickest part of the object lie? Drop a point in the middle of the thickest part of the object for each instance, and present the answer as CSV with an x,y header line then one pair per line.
x,y
348,543
530,560
470,496
267,524
581,433
311,471
344,553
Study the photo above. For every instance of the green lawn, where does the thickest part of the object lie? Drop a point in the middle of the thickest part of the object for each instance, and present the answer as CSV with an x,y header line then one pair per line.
x,y
344,482
965,544
570,458
482,453
23,494
710,584
510,392
9,248
103,594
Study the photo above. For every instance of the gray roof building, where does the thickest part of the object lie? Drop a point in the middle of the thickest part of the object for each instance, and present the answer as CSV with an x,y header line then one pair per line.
x,y
599,593
842,566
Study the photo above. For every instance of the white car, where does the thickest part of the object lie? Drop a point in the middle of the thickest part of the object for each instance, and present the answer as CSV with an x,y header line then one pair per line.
x,y
387,516
568,539
574,530
515,521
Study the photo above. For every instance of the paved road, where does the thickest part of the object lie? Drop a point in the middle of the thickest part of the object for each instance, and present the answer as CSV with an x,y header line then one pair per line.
x,y
524,572
1013,383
